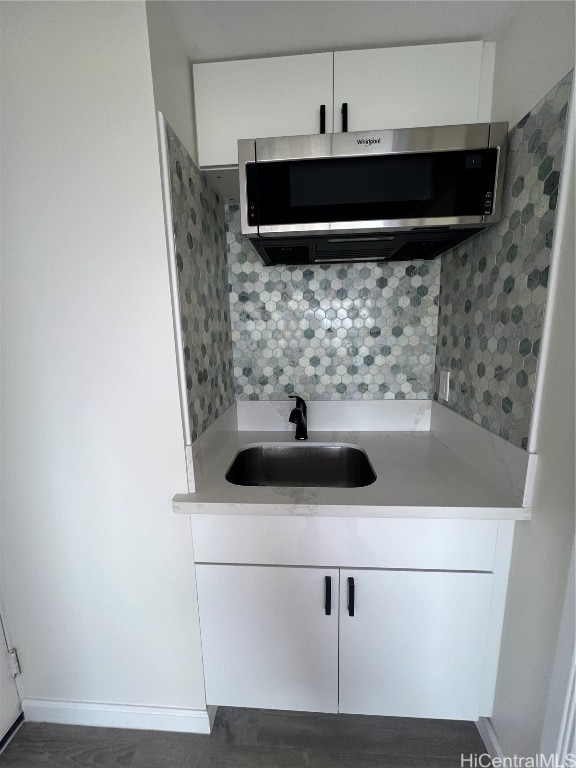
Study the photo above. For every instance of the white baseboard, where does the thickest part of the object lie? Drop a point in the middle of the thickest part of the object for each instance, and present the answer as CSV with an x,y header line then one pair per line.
x,y
118,715
488,735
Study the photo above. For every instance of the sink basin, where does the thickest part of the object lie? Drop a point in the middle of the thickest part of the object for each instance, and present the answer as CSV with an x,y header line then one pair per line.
x,y
301,465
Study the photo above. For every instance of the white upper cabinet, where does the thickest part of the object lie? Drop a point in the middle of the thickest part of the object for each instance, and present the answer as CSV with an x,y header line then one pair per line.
x,y
408,87
400,87
255,98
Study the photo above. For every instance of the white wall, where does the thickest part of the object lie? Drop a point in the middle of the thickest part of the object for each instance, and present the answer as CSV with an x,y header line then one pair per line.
x,y
171,76
96,569
542,547
533,53
557,724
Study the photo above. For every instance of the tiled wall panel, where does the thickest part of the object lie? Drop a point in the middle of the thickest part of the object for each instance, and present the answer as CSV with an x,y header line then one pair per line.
x,y
493,288
198,221
330,332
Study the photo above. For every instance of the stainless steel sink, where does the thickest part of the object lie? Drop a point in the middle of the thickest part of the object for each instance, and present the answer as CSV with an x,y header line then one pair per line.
x,y
325,465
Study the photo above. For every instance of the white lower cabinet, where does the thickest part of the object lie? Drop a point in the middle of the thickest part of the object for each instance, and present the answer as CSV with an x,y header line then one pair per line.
x,y
415,646
267,640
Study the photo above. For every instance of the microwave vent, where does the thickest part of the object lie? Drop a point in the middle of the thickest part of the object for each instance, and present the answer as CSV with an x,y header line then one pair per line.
x,y
412,245
367,252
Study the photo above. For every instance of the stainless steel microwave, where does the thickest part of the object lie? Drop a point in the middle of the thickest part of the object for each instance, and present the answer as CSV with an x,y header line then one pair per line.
x,y
373,195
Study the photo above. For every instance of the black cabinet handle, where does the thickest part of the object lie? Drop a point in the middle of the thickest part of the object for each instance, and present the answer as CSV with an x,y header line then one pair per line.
x,y
350,596
322,118
345,117
328,595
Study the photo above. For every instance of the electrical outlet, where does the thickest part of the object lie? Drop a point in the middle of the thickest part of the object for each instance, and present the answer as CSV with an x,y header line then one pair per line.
x,y
444,393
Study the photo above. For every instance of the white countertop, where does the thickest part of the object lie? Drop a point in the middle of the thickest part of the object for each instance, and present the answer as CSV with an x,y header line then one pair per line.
x,y
417,476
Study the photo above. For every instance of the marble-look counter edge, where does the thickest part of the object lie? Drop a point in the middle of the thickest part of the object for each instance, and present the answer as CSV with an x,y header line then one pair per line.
x,y
182,504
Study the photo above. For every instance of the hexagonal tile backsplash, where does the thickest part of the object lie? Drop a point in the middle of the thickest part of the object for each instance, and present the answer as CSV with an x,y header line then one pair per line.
x,y
494,286
198,224
329,332
372,331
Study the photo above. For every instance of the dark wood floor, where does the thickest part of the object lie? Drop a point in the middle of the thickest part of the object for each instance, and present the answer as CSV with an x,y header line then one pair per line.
x,y
249,738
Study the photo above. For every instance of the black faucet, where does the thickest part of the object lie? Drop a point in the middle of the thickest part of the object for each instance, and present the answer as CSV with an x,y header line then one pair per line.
x,y
298,417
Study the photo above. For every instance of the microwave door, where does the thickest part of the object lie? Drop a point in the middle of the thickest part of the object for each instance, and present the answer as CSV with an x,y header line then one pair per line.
x,y
372,192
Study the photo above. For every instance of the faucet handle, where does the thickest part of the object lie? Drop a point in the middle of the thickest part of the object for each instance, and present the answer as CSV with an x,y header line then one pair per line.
x,y
298,417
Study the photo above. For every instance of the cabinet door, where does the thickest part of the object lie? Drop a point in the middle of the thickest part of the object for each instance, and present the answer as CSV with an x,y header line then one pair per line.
x,y
266,639
408,87
257,98
415,646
